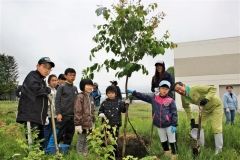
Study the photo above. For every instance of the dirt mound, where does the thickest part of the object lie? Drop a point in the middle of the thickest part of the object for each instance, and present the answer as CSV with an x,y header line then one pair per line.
x,y
134,147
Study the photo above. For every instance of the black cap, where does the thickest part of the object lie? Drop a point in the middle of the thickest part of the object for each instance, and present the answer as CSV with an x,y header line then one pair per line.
x,y
44,60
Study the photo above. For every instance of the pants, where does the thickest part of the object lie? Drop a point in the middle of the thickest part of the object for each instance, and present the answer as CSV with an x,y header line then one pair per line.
x,y
40,132
66,130
82,142
215,118
230,116
165,134
166,137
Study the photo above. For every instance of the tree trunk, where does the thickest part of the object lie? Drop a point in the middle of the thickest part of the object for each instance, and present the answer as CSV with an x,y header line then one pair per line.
x,y
125,121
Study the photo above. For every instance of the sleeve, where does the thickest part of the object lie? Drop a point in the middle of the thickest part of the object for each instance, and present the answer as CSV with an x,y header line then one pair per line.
x,y
187,108
34,87
78,111
143,97
225,101
152,85
236,102
174,114
101,108
123,107
58,104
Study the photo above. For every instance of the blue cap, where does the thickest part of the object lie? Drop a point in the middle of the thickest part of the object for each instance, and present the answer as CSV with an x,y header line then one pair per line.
x,y
164,83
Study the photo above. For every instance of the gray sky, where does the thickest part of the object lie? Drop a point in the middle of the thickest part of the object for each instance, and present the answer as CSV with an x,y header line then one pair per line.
x,y
63,30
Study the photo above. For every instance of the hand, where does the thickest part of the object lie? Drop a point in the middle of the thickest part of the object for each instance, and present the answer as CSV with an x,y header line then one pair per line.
x,y
102,115
227,110
130,91
79,129
203,102
127,101
173,129
59,117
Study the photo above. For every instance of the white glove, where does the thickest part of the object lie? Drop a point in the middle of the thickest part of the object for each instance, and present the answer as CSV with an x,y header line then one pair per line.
x,y
227,110
102,115
79,129
47,121
127,101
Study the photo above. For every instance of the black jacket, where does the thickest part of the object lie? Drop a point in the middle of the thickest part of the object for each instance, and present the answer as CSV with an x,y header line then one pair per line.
x,y
65,98
33,103
112,110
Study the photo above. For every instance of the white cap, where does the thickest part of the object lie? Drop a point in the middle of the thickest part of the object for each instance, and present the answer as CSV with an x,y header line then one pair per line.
x,y
164,82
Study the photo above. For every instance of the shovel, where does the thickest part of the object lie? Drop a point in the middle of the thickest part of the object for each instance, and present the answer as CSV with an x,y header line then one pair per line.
x,y
196,142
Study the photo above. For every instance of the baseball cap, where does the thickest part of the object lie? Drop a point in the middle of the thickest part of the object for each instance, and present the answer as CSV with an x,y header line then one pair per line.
x,y
159,62
164,83
44,60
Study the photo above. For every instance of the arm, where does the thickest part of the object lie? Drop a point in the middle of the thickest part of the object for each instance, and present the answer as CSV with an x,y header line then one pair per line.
x,y
143,97
152,85
58,105
78,111
123,106
173,110
186,107
225,101
101,109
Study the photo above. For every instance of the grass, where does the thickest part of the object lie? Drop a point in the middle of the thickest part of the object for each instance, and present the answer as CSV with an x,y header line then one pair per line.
x,y
140,116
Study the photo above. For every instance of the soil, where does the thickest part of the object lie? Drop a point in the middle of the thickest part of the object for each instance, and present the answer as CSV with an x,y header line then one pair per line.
x,y
134,147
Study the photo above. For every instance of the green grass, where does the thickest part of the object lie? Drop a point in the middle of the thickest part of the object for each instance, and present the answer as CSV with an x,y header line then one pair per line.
x,y
140,116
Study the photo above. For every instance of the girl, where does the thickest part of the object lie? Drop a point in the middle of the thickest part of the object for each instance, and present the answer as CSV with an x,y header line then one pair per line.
x,y
164,116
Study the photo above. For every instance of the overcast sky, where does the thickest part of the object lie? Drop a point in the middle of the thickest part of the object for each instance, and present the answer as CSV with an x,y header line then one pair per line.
x,y
63,30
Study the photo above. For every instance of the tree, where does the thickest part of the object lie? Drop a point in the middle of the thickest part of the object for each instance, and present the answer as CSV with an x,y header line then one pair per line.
x,y
128,35
8,74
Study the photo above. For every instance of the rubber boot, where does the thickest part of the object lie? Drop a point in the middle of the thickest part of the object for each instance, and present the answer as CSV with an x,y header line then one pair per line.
x,y
165,146
218,143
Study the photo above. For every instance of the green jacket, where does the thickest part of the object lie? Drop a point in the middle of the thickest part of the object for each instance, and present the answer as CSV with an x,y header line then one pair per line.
x,y
195,94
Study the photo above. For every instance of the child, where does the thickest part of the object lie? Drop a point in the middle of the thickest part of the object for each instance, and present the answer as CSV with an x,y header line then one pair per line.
x,y
64,103
52,83
84,114
33,103
164,115
96,94
111,109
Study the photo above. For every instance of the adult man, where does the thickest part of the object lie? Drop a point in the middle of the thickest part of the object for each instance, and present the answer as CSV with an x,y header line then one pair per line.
x,y
212,108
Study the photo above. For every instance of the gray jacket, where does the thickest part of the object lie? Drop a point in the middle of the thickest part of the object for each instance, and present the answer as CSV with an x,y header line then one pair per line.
x,y
65,98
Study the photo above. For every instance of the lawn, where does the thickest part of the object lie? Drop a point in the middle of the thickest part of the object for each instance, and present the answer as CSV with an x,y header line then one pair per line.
x,y
140,116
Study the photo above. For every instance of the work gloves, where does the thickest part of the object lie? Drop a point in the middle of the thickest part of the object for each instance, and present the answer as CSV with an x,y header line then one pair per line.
x,y
173,129
193,124
79,129
204,101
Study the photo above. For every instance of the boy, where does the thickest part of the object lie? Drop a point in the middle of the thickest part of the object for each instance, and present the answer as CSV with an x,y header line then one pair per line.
x,y
164,116
84,114
111,109
65,97
33,103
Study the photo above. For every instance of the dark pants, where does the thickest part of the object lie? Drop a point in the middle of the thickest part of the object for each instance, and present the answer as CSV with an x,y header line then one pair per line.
x,y
66,130
230,116
39,130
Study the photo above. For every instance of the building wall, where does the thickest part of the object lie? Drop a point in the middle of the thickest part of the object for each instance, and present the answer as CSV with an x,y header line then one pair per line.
x,y
209,62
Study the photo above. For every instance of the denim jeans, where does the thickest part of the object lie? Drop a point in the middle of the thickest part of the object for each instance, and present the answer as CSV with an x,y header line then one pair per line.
x,y
229,116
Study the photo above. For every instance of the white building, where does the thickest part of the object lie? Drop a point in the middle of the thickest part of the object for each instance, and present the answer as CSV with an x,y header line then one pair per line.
x,y
209,62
